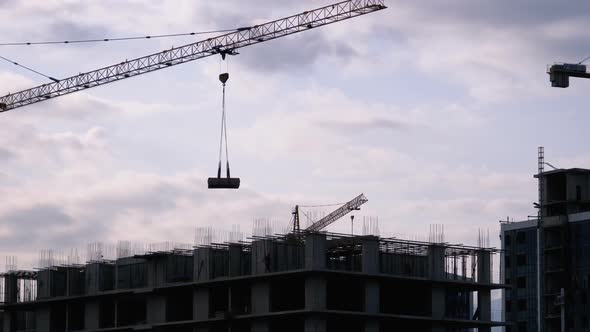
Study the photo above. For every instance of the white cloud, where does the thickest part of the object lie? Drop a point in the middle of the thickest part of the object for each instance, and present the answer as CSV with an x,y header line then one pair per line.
x,y
127,161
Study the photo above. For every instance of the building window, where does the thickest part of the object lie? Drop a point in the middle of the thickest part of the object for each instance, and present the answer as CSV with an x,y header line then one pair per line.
x,y
521,260
507,282
522,327
507,240
520,237
507,261
521,305
521,282
508,306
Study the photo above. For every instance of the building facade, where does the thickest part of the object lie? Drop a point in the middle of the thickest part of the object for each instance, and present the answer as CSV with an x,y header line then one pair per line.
x,y
298,282
519,261
564,247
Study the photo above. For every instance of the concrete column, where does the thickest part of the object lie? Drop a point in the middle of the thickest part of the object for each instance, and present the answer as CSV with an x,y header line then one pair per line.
x,y
484,274
315,251
116,315
372,325
7,322
42,320
260,305
372,304
370,255
156,271
91,315
438,302
44,284
314,324
315,293
202,264
436,271
156,309
235,260
484,299
91,279
201,304
260,297
372,299
67,316
370,265
260,326
10,289
436,262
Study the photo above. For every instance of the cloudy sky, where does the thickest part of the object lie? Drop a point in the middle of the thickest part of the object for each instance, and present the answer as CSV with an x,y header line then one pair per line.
x,y
433,109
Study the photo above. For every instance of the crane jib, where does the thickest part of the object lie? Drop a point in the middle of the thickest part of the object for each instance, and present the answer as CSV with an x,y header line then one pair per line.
x,y
223,44
352,205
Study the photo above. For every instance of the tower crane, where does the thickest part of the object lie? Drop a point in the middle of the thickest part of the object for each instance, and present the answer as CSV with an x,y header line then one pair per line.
x,y
324,222
225,44
559,74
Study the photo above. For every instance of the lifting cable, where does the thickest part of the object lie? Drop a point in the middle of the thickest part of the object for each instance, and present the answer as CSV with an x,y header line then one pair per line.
x,y
28,68
228,182
223,134
98,40
585,59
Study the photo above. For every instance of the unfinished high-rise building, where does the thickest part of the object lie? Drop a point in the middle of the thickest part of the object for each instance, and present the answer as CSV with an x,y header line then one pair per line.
x,y
308,281
546,259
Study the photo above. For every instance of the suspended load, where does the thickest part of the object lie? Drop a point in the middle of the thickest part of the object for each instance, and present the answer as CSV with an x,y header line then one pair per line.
x,y
226,182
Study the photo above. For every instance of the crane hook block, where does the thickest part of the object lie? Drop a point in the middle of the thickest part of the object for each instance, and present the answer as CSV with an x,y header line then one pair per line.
x,y
224,77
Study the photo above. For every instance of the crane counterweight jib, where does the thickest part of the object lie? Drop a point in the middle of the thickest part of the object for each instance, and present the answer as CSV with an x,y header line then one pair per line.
x,y
223,44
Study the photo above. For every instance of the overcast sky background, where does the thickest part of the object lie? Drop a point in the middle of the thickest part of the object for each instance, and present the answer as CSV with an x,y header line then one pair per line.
x,y
433,109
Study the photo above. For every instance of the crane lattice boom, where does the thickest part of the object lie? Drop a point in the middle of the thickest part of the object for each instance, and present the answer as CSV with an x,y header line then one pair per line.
x,y
224,44
338,213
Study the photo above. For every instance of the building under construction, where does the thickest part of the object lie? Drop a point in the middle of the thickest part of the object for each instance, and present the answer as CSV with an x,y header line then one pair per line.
x,y
307,281
546,259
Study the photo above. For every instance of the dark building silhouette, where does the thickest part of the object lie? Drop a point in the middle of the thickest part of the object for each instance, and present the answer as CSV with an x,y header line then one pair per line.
x,y
297,282
564,235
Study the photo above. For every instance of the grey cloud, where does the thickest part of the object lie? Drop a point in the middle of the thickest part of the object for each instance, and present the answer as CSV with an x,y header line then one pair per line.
x,y
34,225
239,13
359,126
500,13
71,30
521,21
284,54
47,226
36,216
156,199
6,154
295,53
7,3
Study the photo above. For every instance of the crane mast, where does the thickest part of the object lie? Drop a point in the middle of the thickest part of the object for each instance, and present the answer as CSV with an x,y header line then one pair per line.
x,y
223,44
